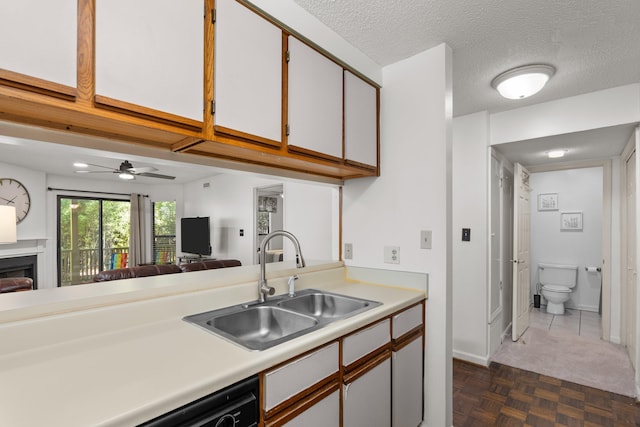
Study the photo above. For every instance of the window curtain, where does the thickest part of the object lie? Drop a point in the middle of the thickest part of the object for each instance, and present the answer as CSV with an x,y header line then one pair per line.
x,y
137,238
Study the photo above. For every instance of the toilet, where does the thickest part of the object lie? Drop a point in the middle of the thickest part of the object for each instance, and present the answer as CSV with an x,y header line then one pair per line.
x,y
557,283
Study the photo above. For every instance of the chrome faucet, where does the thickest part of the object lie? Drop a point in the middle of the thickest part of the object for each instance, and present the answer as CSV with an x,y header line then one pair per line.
x,y
263,288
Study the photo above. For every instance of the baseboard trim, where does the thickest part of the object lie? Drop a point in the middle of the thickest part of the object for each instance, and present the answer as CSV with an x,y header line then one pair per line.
x,y
471,358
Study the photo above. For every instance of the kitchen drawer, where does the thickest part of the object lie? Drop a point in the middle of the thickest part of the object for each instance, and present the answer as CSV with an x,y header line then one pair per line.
x,y
325,413
300,374
406,321
363,342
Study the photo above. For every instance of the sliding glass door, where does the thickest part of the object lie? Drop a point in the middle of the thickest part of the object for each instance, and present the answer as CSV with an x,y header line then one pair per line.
x,y
93,235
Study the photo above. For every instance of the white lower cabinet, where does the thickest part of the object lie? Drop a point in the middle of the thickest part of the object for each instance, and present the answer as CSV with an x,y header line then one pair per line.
x,y
293,378
378,369
407,385
367,400
407,334
325,413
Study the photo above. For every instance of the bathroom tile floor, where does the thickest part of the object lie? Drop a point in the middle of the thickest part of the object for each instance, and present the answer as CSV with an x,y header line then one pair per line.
x,y
575,322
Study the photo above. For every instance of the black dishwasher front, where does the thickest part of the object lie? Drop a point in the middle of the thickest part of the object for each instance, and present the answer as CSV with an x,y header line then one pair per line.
x,y
233,406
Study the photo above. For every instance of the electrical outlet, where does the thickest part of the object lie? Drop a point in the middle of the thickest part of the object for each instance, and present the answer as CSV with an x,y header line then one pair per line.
x,y
392,254
348,251
425,239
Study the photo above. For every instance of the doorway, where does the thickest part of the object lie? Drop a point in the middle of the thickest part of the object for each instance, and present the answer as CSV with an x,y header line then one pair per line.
x,y
576,328
269,216
499,166
629,256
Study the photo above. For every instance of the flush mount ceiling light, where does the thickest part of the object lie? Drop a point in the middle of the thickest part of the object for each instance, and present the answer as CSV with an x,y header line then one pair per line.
x,y
126,175
522,82
80,165
555,154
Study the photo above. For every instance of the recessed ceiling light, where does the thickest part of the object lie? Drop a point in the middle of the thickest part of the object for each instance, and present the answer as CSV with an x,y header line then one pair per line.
x,y
80,165
522,82
555,154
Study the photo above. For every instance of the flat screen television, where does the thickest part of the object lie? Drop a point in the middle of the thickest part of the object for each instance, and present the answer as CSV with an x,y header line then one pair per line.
x,y
195,237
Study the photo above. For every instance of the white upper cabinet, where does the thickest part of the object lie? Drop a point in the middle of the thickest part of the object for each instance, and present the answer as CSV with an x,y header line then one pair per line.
x,y
150,53
248,73
360,121
38,38
315,101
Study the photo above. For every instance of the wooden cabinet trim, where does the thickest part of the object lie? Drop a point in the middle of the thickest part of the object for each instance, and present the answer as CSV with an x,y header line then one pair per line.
x,y
298,408
408,338
295,401
355,366
209,64
86,58
291,32
300,356
223,148
34,84
146,113
315,154
221,130
355,164
367,366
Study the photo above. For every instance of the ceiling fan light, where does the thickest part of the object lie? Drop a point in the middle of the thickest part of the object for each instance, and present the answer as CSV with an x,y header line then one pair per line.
x,y
126,176
522,82
556,154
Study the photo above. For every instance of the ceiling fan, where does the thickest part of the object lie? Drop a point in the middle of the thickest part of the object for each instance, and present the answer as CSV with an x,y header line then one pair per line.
x,y
126,171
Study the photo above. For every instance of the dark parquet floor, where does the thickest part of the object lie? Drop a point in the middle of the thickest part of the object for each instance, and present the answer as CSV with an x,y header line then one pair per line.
x,y
504,396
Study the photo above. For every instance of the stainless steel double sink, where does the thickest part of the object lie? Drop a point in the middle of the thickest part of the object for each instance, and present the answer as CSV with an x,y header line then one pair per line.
x,y
258,326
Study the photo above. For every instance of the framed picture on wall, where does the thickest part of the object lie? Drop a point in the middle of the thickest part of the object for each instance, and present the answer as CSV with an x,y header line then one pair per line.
x,y
571,221
548,202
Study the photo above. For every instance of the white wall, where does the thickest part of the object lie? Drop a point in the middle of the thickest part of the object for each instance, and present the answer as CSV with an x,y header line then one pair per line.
x,y
413,193
604,108
33,236
470,259
577,190
34,224
309,213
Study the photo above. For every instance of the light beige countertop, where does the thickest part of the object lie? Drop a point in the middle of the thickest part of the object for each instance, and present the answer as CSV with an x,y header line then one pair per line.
x,y
110,357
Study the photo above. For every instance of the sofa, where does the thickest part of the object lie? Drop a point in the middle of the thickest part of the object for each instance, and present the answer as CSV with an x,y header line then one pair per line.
x,y
157,269
15,284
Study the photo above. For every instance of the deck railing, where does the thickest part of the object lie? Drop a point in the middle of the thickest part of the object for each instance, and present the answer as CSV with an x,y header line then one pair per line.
x,y
80,265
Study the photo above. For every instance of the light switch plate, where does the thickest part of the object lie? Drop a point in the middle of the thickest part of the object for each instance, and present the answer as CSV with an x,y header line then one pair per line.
x,y
425,239
392,254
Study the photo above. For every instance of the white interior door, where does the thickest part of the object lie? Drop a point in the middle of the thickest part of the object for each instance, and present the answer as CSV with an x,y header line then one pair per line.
x,y
630,312
521,244
495,290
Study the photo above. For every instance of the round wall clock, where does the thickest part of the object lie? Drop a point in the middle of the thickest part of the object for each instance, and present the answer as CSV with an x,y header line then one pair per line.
x,y
13,193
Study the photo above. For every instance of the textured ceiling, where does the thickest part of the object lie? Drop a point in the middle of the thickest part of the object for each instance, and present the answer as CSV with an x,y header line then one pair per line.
x,y
594,44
